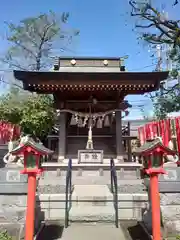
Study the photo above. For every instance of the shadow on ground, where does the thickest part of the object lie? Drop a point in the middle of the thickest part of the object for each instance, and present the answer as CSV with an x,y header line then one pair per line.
x,y
51,232
133,230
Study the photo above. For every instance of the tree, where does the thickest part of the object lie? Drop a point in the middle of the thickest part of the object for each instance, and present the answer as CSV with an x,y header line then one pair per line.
x,y
38,116
33,40
159,30
34,113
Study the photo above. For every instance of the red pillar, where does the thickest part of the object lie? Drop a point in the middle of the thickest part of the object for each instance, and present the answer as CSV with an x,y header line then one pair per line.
x,y
155,204
29,234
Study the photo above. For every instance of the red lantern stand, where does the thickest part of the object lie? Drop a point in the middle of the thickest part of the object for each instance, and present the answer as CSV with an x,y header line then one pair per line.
x,y
152,153
32,153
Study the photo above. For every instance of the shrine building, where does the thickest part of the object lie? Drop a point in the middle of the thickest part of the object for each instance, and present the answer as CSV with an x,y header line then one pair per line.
x,y
89,97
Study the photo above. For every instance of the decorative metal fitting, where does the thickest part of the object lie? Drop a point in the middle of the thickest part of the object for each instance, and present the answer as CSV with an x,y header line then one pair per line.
x,y
73,62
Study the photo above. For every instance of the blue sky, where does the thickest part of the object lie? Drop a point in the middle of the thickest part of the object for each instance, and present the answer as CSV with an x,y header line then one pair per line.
x,y
105,28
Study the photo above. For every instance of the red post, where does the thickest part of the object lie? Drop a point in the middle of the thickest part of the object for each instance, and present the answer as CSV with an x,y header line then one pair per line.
x,y
29,234
155,204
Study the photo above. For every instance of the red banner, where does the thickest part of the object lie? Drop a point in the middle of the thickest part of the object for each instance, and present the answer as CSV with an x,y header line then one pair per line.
x,y
8,132
161,129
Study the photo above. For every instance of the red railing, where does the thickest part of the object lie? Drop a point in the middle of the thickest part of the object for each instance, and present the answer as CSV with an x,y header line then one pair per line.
x,y
167,129
8,131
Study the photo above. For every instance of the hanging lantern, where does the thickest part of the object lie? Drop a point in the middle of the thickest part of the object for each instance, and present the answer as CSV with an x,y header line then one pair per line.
x,y
85,121
111,118
99,123
106,121
80,122
89,123
94,120
73,120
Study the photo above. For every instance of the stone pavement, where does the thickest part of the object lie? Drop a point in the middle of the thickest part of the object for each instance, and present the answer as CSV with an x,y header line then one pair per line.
x,y
95,231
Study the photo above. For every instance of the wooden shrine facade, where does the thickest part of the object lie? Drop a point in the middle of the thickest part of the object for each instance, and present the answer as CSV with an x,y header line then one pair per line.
x,y
93,89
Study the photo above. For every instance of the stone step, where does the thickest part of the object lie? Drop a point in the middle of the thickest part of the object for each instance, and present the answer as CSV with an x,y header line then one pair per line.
x,y
91,190
84,231
92,195
57,186
92,210
129,205
58,200
92,213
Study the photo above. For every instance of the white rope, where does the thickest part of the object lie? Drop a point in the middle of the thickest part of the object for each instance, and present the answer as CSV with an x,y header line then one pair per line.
x,y
99,114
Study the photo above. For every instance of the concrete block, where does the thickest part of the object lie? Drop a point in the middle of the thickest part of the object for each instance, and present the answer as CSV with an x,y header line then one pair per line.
x,y
15,201
169,199
52,201
12,175
9,188
129,214
43,197
171,213
57,201
11,181
131,204
54,214
93,213
133,197
14,230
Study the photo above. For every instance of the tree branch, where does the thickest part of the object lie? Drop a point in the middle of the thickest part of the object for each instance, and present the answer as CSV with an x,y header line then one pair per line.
x,y
145,26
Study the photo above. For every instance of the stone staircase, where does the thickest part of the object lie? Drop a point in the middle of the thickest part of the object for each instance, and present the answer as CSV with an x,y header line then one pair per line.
x,y
91,202
91,198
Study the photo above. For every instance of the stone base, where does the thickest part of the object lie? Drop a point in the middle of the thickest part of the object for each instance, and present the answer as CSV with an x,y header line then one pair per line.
x,y
14,223
170,207
170,215
15,230
13,215
120,158
61,158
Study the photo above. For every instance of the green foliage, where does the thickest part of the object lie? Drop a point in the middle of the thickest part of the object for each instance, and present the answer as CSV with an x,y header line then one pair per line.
x,y
11,105
158,29
167,101
34,113
38,115
33,40
5,236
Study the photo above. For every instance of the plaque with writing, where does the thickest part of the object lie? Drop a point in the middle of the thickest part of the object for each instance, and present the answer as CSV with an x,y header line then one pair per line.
x,y
13,176
90,156
171,175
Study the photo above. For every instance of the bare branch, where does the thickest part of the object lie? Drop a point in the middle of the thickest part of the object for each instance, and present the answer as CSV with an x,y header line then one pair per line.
x,y
145,26
10,83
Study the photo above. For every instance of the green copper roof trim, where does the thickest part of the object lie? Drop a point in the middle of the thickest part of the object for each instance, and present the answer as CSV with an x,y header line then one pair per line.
x,y
150,145
29,142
